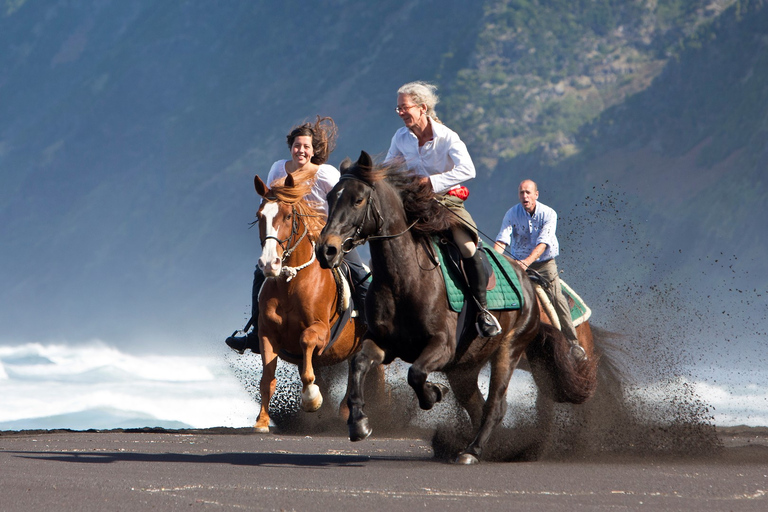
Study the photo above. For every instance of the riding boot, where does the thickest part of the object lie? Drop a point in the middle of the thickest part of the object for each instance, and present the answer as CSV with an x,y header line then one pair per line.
x,y
249,339
360,278
477,279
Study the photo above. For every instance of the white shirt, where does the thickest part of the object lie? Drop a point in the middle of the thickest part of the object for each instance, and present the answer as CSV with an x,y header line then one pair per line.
x,y
326,178
522,232
444,159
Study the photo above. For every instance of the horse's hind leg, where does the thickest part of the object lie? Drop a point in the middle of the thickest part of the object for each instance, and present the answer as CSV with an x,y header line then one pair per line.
x,y
467,393
359,365
495,407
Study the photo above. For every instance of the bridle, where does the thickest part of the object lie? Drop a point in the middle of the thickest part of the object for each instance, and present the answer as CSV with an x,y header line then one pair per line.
x,y
371,210
287,251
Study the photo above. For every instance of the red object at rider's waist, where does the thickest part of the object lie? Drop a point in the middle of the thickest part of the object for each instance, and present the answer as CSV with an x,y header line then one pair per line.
x,y
459,191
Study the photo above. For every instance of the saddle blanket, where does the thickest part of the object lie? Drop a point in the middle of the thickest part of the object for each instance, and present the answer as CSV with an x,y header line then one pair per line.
x,y
505,295
580,312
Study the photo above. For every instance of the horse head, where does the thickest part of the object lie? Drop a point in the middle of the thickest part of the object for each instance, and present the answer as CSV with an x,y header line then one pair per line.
x,y
352,216
278,227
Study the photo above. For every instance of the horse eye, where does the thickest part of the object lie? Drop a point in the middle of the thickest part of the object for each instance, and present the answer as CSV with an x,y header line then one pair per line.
x,y
359,201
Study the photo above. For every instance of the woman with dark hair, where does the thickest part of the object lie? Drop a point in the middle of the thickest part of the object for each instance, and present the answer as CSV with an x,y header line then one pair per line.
x,y
435,152
311,144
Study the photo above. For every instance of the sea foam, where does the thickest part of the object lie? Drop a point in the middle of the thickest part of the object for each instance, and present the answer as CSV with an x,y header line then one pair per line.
x,y
97,386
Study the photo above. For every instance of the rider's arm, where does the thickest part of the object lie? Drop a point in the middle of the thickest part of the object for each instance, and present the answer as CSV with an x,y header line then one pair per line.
x,y
535,254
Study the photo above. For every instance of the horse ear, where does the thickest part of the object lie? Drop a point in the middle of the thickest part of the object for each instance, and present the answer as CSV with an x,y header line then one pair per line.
x,y
289,180
365,161
345,165
261,188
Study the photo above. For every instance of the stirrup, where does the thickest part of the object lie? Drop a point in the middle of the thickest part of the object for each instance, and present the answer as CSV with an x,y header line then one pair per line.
x,y
490,327
242,342
578,352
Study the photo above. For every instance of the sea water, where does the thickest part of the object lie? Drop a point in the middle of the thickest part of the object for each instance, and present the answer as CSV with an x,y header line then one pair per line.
x,y
96,386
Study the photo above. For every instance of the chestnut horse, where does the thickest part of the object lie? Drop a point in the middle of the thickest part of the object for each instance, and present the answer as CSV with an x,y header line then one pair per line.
x,y
298,303
409,316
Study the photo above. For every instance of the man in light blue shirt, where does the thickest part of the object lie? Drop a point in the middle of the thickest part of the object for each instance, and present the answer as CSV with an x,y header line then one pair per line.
x,y
528,229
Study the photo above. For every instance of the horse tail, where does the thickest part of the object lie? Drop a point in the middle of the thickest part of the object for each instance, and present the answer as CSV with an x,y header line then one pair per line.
x,y
556,372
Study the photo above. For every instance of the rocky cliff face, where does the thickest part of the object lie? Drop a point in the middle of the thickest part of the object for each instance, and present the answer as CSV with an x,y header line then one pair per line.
x,y
542,69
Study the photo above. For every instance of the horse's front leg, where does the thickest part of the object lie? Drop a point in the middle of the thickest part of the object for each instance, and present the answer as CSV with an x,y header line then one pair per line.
x,y
266,385
435,355
359,365
316,335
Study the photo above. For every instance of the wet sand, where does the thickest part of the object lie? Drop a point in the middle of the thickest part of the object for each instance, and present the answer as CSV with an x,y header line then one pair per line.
x,y
217,469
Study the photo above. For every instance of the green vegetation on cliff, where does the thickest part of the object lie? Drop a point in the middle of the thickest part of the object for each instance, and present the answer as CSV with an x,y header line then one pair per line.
x,y
543,68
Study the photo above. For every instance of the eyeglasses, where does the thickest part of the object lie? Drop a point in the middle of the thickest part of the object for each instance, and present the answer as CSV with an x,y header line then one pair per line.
x,y
403,108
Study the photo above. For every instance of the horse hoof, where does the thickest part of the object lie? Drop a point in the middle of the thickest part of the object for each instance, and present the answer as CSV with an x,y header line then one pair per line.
x,y
311,399
359,430
466,459
441,390
261,430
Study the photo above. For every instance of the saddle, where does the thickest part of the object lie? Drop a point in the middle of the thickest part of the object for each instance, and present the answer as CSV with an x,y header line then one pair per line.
x,y
503,291
580,312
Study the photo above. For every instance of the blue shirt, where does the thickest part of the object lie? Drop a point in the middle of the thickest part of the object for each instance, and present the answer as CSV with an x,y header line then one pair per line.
x,y
522,232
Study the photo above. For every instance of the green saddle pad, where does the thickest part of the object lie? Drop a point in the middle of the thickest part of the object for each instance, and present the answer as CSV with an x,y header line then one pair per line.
x,y
505,295
580,312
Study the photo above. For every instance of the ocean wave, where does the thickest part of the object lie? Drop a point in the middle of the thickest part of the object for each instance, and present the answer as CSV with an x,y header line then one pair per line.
x,y
98,386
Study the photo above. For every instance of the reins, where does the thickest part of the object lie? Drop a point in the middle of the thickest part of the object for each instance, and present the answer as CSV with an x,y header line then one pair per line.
x,y
356,240
290,272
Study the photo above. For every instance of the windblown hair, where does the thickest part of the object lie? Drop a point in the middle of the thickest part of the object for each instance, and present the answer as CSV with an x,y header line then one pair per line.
x,y
323,133
309,212
422,93
418,198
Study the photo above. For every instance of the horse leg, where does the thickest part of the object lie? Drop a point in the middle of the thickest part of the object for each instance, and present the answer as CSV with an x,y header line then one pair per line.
x,y
311,338
467,393
266,387
495,407
434,356
368,356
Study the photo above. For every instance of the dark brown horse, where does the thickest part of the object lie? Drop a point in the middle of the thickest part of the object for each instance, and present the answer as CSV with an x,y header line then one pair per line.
x,y
409,316
298,301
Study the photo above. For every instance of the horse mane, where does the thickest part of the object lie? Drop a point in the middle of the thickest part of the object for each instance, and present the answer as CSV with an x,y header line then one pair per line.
x,y
418,198
310,212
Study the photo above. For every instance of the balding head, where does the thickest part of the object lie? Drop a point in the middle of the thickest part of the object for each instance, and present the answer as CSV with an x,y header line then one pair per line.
x,y
528,193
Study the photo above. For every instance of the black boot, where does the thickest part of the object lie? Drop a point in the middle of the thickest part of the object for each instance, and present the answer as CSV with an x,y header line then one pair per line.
x,y
249,339
360,277
241,343
477,279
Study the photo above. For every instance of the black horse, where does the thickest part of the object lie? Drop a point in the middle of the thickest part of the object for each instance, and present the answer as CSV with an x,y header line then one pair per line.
x,y
409,316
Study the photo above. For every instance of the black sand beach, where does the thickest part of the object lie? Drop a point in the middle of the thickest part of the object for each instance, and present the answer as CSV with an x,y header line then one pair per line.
x,y
217,469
